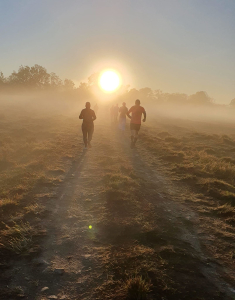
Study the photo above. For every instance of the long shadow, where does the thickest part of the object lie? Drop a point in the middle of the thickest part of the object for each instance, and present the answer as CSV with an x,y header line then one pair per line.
x,y
76,168
66,190
32,264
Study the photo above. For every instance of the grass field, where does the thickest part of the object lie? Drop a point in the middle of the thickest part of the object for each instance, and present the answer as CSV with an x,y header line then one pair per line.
x,y
35,153
156,222
199,157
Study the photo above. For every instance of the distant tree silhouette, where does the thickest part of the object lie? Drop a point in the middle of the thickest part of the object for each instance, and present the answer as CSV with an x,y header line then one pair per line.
x,y
232,102
2,80
68,85
55,81
147,94
200,98
84,90
177,98
35,77
132,94
93,80
144,94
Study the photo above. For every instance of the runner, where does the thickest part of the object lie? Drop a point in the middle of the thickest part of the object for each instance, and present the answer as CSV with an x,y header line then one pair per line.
x,y
135,123
88,116
123,110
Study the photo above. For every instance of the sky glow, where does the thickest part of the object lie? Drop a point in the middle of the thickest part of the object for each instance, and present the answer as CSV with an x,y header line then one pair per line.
x,y
176,46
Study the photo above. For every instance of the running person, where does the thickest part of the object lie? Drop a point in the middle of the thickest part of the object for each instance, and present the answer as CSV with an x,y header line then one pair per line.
x,y
88,116
135,123
123,110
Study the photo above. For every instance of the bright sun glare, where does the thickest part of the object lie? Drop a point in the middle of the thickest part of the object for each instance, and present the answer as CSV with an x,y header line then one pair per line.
x,y
109,81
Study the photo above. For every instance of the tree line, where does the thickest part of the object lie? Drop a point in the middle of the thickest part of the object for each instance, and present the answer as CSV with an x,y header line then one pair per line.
x,y
36,78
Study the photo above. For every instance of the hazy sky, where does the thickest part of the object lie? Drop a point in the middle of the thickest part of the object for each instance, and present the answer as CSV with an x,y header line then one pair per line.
x,y
172,45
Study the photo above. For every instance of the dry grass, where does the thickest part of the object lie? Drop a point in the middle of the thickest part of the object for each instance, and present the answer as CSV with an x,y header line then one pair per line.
x,y
35,152
199,159
137,288
205,161
18,237
141,255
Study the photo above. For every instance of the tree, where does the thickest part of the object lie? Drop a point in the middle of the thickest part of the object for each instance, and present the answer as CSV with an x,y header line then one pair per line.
x,y
55,81
93,80
177,98
40,77
200,98
232,103
68,85
2,79
35,77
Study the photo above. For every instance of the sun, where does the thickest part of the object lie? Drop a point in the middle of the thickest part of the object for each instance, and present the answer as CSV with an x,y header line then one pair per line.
x,y
109,80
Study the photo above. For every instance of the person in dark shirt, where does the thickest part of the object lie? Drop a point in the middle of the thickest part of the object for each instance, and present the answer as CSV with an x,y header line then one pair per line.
x,y
123,111
88,116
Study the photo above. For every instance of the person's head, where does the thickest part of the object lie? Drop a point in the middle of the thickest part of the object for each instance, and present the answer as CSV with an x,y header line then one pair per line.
x,y
137,102
88,105
124,104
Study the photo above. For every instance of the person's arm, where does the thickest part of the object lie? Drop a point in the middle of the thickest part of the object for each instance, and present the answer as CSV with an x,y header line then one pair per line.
x,y
128,113
81,115
144,113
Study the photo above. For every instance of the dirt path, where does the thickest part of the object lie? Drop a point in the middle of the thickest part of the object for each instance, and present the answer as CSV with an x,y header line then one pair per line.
x,y
136,230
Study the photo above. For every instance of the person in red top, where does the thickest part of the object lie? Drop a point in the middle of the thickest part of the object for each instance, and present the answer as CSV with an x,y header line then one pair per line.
x,y
136,114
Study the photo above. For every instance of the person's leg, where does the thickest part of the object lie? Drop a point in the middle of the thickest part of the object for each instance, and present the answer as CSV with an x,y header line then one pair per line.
x,y
120,123
132,139
135,137
124,124
134,134
90,134
84,132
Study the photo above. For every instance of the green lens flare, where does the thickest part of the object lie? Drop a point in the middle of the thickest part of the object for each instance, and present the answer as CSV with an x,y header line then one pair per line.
x,y
90,227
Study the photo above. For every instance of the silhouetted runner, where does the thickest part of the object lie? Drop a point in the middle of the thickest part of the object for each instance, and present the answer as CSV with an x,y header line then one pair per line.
x,y
123,111
88,116
135,123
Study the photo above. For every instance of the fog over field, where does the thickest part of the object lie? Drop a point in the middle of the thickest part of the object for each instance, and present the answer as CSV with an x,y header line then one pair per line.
x,y
117,150
111,200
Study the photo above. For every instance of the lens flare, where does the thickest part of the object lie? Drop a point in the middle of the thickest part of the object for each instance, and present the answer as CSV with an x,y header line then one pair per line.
x,y
109,80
